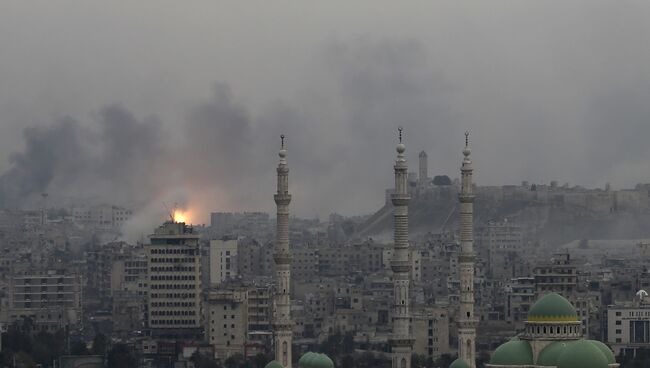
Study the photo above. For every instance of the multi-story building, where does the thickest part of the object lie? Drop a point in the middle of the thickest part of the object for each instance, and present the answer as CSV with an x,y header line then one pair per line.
x,y
628,326
227,321
103,217
128,315
503,242
304,261
236,223
50,297
174,296
260,308
431,331
521,296
223,260
560,276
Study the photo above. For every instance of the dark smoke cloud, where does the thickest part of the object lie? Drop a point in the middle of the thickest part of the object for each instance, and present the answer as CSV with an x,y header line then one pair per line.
x,y
538,110
109,159
50,152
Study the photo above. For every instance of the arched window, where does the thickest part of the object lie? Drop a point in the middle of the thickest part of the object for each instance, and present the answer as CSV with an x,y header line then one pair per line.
x,y
402,364
284,353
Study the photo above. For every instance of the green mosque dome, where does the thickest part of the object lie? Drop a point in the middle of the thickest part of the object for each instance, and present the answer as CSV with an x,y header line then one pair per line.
x,y
549,356
273,364
304,360
611,359
513,352
321,361
553,307
459,363
582,354
307,360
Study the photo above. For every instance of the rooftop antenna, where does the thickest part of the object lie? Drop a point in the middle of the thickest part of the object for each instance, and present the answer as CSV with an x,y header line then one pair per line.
x,y
171,212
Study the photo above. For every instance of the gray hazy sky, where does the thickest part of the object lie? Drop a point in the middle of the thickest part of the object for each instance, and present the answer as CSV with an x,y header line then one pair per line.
x,y
153,100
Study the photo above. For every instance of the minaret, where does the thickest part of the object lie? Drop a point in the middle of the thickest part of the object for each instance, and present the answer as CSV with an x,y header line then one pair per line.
x,y
282,257
401,341
423,173
466,320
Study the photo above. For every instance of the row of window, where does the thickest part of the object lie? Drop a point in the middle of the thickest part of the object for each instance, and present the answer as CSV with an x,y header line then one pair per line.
x,y
173,269
172,304
172,260
172,295
189,252
28,289
173,277
173,313
173,286
45,281
556,330
173,322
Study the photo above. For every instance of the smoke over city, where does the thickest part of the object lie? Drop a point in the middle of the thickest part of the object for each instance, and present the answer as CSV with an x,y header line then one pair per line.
x,y
541,105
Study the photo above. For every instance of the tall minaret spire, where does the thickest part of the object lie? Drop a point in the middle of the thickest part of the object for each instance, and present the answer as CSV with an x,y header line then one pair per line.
x,y
401,341
466,320
282,256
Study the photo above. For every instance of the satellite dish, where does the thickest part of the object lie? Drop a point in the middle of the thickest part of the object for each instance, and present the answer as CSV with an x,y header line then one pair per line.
x,y
641,294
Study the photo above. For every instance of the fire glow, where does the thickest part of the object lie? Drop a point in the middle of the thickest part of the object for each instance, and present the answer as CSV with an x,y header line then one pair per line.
x,y
181,216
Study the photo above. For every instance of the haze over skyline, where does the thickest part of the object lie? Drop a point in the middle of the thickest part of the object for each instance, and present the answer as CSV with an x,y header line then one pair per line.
x,y
164,101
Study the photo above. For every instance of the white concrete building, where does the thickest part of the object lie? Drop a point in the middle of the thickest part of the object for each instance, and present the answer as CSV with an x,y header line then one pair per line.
x,y
223,260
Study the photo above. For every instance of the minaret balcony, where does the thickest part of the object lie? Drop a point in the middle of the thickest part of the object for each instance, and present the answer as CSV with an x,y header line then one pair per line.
x,y
282,257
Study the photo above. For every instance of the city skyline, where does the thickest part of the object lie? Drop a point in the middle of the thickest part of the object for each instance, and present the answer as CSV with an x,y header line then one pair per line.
x,y
547,96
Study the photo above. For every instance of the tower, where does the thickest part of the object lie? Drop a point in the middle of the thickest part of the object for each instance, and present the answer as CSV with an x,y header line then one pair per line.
x,y
174,295
401,341
423,173
282,257
466,320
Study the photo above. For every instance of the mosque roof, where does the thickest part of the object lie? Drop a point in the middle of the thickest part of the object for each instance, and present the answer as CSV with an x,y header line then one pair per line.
x,y
553,307
582,354
273,364
513,352
459,363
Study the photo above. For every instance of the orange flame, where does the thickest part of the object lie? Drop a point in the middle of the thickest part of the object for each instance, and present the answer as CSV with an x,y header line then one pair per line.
x,y
181,216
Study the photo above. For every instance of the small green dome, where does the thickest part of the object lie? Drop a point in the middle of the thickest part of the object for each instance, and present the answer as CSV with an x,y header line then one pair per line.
x,y
553,307
549,356
459,363
307,360
273,364
304,359
320,361
609,354
582,354
513,352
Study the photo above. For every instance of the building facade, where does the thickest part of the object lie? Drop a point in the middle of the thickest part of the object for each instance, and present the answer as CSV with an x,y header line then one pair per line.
x,y
174,296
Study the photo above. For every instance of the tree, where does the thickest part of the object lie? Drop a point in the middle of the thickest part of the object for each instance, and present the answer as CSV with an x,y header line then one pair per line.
x,y
260,360
418,361
235,361
441,180
120,356
79,348
203,361
444,360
